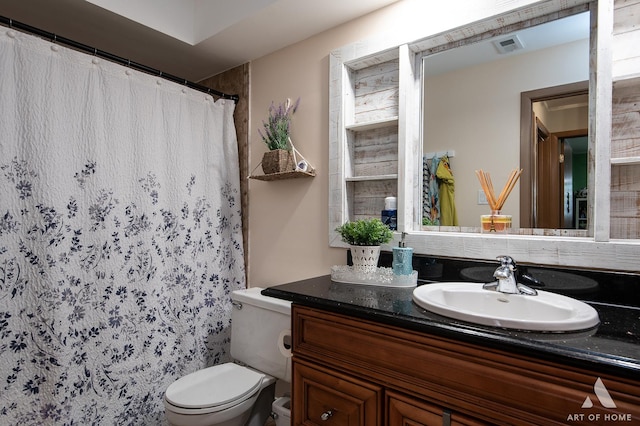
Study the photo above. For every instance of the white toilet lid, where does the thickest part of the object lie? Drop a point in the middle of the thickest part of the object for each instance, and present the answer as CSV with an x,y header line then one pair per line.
x,y
212,386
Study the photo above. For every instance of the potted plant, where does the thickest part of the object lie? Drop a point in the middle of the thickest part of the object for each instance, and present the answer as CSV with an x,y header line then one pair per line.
x,y
365,237
276,135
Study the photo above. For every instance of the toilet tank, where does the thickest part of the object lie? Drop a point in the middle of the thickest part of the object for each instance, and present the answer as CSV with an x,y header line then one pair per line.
x,y
261,332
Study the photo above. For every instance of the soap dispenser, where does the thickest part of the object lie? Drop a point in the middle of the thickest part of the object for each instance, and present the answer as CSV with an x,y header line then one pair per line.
x,y
402,259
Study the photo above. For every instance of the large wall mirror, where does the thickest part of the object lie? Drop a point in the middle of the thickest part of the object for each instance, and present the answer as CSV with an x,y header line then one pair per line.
x,y
555,87
472,114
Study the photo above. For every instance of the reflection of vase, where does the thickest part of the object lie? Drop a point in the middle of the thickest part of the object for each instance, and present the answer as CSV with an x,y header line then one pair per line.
x,y
365,258
495,222
277,161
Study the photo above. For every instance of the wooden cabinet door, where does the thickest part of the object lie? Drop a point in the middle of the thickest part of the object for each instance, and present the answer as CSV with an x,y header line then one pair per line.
x,y
406,411
328,398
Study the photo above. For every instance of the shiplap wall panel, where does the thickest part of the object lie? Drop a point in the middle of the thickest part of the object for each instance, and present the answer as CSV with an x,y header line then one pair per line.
x,y
626,26
373,152
624,204
368,197
624,178
376,152
625,121
625,201
625,117
376,92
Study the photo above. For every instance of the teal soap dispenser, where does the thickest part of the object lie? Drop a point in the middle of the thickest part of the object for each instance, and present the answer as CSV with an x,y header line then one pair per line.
x,y
402,259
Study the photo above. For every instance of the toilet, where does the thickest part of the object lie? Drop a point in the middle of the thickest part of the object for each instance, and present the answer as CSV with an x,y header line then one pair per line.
x,y
241,392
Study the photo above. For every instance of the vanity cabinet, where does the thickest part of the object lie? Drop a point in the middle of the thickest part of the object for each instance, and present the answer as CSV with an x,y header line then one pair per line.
x,y
357,372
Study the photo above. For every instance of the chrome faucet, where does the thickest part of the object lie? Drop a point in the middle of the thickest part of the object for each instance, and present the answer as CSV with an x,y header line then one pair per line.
x,y
506,282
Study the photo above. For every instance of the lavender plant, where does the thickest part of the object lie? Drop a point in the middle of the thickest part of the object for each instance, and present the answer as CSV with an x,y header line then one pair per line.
x,y
277,127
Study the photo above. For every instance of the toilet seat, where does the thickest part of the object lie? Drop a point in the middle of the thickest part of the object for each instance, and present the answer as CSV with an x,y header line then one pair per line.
x,y
201,391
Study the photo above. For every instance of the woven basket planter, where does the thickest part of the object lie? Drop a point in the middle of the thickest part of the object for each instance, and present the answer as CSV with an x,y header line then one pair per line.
x,y
277,161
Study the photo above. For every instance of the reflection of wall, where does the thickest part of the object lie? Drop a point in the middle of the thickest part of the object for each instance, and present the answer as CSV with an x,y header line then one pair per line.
x,y
579,171
476,112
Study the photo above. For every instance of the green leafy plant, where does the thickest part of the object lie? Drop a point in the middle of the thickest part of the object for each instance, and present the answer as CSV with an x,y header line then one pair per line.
x,y
427,221
365,232
278,125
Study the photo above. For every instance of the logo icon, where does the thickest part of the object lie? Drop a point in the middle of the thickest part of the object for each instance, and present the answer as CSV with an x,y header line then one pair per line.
x,y
602,394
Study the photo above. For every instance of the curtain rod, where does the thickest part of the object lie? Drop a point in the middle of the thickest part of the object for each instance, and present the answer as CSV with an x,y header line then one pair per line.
x,y
114,58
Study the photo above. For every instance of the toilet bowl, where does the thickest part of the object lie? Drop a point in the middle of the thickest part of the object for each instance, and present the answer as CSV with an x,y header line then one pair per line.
x,y
231,394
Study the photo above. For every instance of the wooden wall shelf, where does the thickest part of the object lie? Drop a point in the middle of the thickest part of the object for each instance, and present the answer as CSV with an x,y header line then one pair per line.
x,y
284,175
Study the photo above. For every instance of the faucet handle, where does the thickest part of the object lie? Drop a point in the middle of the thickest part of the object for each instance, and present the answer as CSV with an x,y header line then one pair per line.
x,y
507,261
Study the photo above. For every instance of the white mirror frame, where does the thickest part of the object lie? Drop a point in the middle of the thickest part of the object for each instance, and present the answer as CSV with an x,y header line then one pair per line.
x,y
594,252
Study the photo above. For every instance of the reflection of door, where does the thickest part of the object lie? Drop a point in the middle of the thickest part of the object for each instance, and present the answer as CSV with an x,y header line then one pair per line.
x,y
549,183
570,95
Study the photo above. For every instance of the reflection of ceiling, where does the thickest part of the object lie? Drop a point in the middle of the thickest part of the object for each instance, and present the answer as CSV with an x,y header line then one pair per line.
x,y
193,39
554,33
568,102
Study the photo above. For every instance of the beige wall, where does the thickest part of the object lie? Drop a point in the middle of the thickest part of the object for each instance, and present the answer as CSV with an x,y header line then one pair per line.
x,y
288,219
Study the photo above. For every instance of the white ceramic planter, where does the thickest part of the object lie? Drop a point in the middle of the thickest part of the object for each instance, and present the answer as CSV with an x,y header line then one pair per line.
x,y
365,258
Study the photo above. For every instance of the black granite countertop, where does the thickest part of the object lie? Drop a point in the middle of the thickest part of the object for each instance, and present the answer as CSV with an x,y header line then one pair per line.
x,y
612,347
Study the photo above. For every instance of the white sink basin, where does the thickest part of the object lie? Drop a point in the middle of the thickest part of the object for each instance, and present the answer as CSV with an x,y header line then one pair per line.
x,y
470,302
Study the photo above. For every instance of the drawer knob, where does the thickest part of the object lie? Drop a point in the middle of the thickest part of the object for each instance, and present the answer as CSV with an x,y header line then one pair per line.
x,y
326,415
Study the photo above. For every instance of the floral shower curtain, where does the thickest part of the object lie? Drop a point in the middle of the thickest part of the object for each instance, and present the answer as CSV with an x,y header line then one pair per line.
x,y
120,236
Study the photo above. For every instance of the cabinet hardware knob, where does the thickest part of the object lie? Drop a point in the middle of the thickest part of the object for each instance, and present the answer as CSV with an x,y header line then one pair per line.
x,y
326,415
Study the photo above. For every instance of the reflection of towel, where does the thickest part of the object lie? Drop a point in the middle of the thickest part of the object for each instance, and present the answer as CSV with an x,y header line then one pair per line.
x,y
448,215
431,198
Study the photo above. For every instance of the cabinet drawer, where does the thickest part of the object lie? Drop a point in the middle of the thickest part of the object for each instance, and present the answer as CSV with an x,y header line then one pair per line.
x,y
402,410
325,397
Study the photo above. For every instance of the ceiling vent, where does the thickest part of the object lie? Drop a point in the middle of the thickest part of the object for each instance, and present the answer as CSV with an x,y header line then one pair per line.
x,y
509,44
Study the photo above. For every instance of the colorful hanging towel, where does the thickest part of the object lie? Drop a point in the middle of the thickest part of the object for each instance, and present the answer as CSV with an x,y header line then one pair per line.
x,y
448,215
430,191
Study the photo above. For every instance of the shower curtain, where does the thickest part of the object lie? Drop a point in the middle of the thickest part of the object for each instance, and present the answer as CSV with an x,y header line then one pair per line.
x,y
120,236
